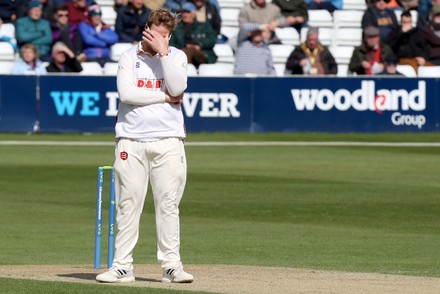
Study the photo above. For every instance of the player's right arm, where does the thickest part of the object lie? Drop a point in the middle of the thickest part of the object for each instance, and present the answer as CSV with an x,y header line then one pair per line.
x,y
129,93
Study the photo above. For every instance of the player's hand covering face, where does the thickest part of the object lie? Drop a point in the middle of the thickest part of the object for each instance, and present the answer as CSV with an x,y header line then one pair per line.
x,y
156,39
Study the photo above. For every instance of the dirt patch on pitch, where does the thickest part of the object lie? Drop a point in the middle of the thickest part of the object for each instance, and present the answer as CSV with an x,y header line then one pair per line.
x,y
241,279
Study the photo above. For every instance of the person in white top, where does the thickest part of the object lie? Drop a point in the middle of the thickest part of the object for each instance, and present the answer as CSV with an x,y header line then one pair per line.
x,y
151,80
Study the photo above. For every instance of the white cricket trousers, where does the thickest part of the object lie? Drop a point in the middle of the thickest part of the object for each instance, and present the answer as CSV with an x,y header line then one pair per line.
x,y
163,164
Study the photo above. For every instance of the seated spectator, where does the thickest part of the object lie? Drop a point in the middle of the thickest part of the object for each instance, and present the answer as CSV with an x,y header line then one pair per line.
x,y
368,58
130,21
8,11
391,66
254,57
63,60
208,12
77,11
66,32
196,39
329,5
295,11
97,36
424,12
264,16
311,57
46,5
432,35
34,29
28,63
381,17
176,5
409,44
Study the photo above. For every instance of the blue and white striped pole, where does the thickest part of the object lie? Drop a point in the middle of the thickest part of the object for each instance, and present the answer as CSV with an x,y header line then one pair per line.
x,y
98,225
111,226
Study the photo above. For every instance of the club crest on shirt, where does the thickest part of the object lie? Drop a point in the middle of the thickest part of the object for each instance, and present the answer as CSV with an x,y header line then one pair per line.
x,y
123,155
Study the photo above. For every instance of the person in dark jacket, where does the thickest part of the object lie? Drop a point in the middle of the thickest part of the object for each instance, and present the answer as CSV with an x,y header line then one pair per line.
x,y
8,11
409,44
369,57
381,17
432,35
63,60
66,32
311,57
130,21
207,12
196,39
296,9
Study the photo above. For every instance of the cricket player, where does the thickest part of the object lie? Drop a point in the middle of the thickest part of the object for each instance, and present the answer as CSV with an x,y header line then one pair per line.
x,y
151,80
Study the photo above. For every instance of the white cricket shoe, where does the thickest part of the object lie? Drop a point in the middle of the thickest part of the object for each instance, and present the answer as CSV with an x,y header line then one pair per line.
x,y
116,275
176,275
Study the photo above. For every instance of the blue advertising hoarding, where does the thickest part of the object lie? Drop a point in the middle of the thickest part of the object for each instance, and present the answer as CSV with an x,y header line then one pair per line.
x,y
66,103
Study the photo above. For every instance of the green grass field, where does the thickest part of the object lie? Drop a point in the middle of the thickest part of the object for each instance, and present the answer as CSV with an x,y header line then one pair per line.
x,y
359,209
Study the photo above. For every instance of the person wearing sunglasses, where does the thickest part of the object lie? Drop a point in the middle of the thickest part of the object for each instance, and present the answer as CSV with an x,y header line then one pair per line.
x,y
151,80
378,15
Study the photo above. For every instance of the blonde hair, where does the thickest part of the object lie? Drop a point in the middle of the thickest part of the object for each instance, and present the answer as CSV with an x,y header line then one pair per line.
x,y
164,17
32,47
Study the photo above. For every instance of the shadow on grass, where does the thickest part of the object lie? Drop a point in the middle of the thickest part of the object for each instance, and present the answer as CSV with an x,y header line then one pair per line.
x,y
92,276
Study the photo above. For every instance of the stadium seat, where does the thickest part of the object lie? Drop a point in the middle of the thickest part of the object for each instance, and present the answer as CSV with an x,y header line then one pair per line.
x,y
326,35
280,53
342,70
6,51
230,4
288,36
347,18
192,70
117,49
91,68
6,66
280,69
224,53
354,5
229,17
406,70
108,15
342,54
348,37
8,30
429,71
320,18
230,32
110,68
216,69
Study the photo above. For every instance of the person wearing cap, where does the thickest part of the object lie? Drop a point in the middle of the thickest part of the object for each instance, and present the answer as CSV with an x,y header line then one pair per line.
x,y
97,36
63,60
381,17
130,21
369,57
432,35
254,57
311,57
34,29
196,39
46,5
391,66
409,44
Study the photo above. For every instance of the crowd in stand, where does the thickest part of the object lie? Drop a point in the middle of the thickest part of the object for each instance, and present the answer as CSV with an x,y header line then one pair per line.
x,y
58,35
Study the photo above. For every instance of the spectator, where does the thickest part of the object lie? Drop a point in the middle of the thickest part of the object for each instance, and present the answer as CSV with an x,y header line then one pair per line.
x,y
130,21
368,58
311,57
208,12
66,32
77,11
8,11
295,11
28,63
390,66
381,17
409,44
63,60
424,13
254,57
432,35
329,5
47,7
264,16
196,39
97,36
34,29
175,5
